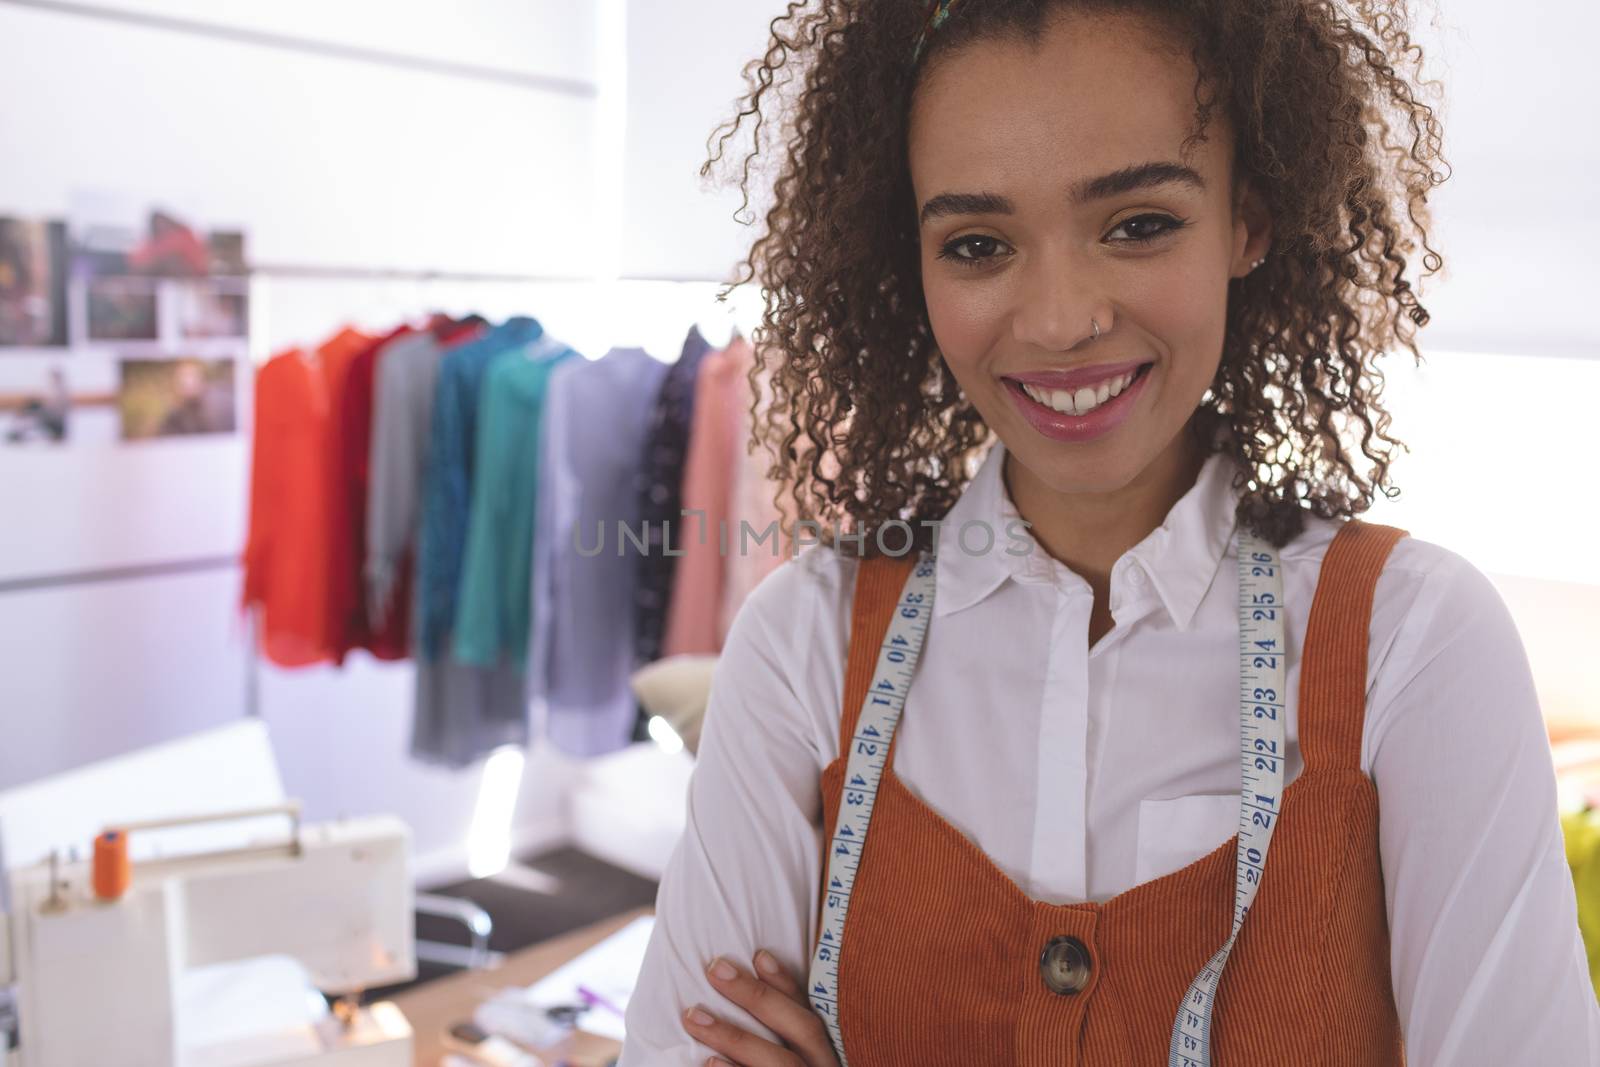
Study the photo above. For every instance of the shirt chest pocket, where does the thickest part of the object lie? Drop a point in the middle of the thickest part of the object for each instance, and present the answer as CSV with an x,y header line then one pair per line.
x,y
1176,831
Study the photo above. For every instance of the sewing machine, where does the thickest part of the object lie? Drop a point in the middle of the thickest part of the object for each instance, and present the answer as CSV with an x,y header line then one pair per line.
x,y
214,959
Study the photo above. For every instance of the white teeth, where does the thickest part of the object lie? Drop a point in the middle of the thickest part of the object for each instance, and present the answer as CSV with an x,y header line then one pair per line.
x,y
1080,401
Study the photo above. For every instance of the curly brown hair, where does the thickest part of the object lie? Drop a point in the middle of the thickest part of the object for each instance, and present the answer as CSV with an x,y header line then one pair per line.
x,y
864,423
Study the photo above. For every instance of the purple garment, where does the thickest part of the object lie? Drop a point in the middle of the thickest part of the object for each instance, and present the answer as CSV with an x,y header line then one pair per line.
x,y
581,656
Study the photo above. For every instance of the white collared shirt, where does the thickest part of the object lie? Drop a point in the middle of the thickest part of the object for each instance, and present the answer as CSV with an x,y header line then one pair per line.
x,y
1082,772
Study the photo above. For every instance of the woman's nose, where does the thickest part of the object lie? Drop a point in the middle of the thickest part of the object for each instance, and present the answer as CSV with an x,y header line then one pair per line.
x,y
1054,306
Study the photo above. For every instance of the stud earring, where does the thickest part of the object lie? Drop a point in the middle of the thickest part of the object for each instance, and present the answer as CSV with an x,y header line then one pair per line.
x,y
1258,262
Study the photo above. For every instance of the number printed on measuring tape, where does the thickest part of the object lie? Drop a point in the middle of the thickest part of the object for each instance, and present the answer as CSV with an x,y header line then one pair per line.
x,y
880,714
1261,754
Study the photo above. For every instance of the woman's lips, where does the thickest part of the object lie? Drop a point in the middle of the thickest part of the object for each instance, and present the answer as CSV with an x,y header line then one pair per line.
x,y
1060,426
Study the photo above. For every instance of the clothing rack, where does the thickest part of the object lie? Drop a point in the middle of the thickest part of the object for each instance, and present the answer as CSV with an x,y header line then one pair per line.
x,y
90,576
234,562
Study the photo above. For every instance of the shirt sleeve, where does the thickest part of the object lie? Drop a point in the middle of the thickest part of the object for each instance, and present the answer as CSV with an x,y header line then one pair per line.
x,y
745,873
1486,958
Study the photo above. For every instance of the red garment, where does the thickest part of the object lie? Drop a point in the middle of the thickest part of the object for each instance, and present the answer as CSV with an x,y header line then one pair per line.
x,y
350,451
286,556
457,334
283,572
351,448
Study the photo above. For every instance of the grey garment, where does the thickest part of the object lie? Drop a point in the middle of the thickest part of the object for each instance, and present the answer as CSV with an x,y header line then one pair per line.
x,y
463,713
581,654
402,411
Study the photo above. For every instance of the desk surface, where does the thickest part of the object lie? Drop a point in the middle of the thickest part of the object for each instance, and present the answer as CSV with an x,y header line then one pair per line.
x,y
434,1006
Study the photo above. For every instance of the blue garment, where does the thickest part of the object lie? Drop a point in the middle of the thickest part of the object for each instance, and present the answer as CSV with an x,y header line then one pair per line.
x,y
446,504
581,655
494,612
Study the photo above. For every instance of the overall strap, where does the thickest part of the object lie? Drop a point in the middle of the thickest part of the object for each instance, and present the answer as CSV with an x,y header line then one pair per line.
x,y
1333,661
879,582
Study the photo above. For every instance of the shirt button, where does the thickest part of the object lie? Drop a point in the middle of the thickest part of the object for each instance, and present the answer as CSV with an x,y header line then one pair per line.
x,y
1065,965
1136,576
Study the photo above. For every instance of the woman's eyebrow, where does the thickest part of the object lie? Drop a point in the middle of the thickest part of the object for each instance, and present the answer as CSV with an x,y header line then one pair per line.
x,y
1126,180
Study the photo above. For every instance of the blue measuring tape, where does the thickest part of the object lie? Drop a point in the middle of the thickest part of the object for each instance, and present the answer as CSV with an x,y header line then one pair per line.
x,y
1261,756
869,749
1261,753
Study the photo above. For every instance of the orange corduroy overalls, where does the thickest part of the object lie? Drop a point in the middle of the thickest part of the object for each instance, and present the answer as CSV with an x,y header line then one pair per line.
x,y
942,950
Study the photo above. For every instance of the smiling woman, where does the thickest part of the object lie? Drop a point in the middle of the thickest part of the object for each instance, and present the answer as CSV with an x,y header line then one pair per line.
x,y
1221,213
1100,289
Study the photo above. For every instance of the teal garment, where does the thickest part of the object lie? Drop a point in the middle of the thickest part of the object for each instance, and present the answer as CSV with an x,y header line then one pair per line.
x,y
447,480
493,617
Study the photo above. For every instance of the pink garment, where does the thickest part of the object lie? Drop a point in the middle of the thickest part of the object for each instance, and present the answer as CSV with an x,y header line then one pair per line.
x,y
749,562
719,565
697,578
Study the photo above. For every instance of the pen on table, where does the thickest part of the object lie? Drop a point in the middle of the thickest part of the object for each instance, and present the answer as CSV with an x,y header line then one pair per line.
x,y
592,998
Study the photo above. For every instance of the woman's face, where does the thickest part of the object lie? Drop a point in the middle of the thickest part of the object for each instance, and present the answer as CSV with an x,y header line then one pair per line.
x,y
1051,190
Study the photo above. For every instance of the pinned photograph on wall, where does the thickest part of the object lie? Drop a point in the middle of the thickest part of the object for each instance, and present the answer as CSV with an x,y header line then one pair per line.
x,y
38,415
213,308
176,397
50,402
33,283
227,253
111,242
124,309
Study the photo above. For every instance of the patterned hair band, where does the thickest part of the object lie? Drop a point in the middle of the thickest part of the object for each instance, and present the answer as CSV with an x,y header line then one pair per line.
x,y
937,13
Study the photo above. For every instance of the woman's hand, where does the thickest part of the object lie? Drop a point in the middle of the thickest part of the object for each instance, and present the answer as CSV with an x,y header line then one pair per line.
x,y
774,998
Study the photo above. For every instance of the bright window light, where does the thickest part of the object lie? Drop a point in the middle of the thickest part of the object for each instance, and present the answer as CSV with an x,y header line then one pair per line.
x,y
664,735
489,842
1499,467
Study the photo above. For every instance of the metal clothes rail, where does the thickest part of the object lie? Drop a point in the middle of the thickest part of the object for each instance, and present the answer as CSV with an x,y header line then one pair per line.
x,y
325,49
342,273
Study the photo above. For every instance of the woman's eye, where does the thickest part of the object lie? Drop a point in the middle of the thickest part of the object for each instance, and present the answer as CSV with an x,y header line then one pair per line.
x,y
976,243
1148,227
973,250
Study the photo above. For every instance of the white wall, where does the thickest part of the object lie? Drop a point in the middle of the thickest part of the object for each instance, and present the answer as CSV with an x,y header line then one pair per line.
x,y
91,671
1519,275
683,78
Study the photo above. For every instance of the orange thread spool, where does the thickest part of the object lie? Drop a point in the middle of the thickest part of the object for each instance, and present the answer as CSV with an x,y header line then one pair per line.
x,y
112,871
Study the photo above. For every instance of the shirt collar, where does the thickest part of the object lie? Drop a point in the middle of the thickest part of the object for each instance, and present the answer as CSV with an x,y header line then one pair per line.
x,y
1181,556
517,331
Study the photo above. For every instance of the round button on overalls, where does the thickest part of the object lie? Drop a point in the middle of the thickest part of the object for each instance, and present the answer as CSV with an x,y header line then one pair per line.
x,y
1065,965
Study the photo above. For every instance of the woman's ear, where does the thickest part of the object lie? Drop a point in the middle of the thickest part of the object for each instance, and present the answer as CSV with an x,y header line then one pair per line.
x,y
1252,228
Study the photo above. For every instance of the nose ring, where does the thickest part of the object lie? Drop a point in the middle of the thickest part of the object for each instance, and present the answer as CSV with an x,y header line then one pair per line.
x,y
1096,326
